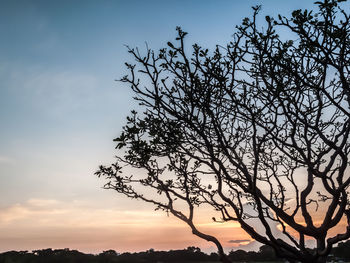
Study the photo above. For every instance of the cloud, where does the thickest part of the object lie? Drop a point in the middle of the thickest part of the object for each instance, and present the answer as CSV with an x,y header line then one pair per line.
x,y
54,91
62,91
55,213
238,241
251,246
219,225
34,210
13,213
42,202
40,222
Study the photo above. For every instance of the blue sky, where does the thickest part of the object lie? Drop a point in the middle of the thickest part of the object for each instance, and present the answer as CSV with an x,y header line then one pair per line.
x,y
60,108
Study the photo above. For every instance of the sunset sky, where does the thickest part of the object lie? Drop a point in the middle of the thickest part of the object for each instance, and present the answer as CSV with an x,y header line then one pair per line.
x,y
60,108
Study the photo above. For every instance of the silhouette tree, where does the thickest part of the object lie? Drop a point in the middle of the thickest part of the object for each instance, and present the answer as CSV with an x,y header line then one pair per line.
x,y
342,250
258,130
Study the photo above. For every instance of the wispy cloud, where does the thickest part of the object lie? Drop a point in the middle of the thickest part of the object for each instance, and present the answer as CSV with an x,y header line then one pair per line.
x,y
50,212
38,223
62,91
238,241
42,202
54,90
33,210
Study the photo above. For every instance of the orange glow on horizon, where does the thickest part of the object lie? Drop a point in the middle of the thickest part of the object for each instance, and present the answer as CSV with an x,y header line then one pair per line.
x,y
38,224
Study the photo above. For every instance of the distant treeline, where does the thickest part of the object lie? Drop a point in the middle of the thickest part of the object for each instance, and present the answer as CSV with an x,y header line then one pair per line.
x,y
191,254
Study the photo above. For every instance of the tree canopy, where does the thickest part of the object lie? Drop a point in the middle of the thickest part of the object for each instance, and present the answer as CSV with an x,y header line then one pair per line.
x,y
257,129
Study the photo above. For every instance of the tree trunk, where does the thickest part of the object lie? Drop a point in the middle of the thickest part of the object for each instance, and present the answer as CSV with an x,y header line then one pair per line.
x,y
321,245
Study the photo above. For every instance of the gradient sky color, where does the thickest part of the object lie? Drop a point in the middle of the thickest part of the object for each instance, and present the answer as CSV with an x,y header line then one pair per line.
x,y
60,108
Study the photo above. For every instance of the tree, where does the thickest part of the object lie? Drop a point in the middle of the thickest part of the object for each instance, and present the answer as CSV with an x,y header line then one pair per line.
x,y
266,253
342,250
258,130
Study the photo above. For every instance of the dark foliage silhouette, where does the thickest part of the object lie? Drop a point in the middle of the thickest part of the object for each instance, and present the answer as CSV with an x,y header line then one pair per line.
x,y
189,255
258,130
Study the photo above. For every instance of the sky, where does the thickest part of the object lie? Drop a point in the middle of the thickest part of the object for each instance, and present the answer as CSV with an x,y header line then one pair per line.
x,y
60,108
